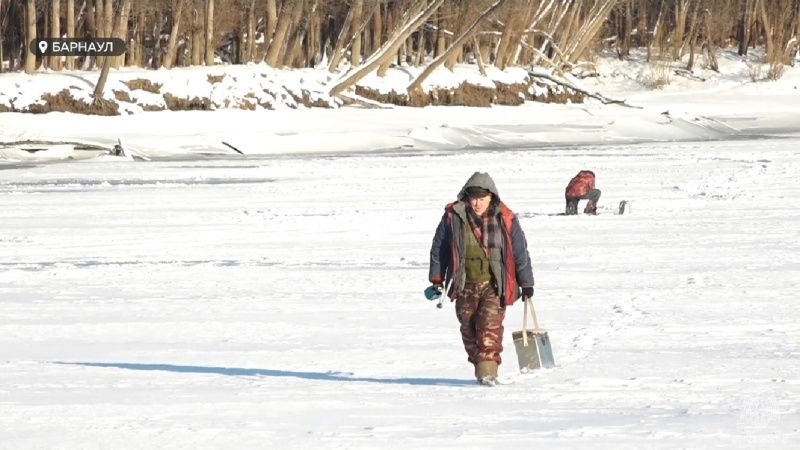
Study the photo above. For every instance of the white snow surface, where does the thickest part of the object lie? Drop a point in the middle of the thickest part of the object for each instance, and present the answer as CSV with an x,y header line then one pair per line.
x,y
209,300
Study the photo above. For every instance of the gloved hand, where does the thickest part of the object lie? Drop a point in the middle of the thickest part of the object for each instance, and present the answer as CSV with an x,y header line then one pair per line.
x,y
527,292
434,291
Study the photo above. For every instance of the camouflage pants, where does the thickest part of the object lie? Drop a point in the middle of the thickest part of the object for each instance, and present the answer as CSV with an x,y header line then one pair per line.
x,y
481,313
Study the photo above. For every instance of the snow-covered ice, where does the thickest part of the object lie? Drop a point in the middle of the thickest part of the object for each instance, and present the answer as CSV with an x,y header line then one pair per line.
x,y
278,302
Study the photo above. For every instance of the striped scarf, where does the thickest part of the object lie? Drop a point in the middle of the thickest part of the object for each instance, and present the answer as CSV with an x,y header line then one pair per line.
x,y
487,229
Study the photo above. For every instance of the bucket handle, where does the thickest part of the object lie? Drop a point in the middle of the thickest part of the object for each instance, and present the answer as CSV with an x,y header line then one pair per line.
x,y
528,301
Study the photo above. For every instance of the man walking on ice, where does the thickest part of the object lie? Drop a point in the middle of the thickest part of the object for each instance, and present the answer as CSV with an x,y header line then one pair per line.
x,y
480,246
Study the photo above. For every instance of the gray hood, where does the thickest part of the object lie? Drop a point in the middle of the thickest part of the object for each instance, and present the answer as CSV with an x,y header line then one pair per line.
x,y
481,180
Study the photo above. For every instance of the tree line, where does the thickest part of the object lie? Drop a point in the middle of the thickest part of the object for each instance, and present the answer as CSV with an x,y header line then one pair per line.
x,y
375,34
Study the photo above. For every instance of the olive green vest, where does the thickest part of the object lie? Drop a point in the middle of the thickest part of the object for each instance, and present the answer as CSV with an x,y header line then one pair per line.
x,y
476,264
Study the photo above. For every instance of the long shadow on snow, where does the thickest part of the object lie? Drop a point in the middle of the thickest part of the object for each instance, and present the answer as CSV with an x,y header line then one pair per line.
x,y
240,372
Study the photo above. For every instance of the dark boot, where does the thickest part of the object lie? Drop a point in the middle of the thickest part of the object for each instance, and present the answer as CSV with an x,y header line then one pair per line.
x,y
591,208
572,207
486,372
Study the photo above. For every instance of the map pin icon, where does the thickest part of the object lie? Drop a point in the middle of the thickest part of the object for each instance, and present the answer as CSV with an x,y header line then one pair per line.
x,y
42,46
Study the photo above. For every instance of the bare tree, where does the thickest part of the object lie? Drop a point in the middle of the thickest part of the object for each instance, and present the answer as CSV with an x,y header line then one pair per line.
x,y
70,63
121,33
251,32
299,26
338,51
55,30
744,27
107,62
172,44
210,33
355,53
108,18
596,18
99,19
413,19
453,47
135,39
272,20
30,35
279,39
3,19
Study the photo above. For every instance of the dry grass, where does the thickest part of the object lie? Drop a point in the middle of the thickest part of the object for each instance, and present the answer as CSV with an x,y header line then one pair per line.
x,y
775,70
143,84
63,101
658,76
755,71
186,104
214,79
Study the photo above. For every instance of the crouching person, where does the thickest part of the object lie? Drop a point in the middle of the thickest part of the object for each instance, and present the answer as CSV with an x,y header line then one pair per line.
x,y
581,187
480,246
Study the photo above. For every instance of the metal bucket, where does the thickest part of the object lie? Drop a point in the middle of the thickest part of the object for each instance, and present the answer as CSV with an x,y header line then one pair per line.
x,y
533,346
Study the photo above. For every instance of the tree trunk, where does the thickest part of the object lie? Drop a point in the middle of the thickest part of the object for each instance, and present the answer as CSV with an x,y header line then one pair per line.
x,y
419,57
457,27
692,6
769,44
417,83
476,51
793,55
589,30
2,41
271,22
197,38
338,51
172,44
250,53
413,21
55,30
554,28
133,44
519,34
89,24
158,54
30,35
441,43
642,25
752,23
115,31
138,39
566,34
290,51
625,45
108,20
692,41
279,39
122,33
712,53
210,33
70,31
680,26
389,25
505,39
99,19
313,40
15,56
377,28
106,23
108,17
355,54
744,28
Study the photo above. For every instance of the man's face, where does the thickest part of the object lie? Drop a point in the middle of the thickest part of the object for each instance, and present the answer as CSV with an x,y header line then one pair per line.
x,y
480,204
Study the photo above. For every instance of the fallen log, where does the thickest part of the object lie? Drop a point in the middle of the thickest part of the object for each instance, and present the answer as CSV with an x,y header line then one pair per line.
x,y
596,95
